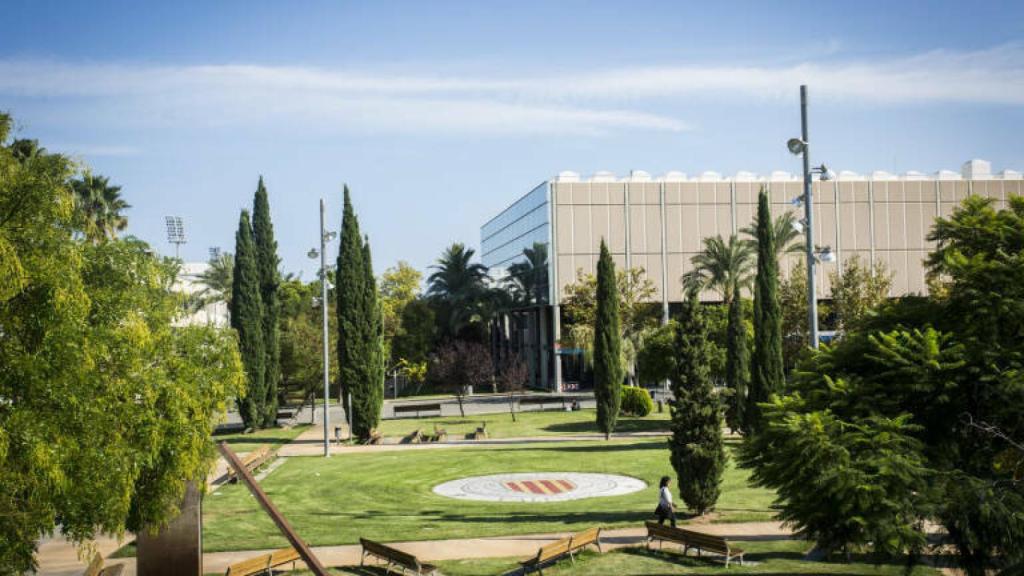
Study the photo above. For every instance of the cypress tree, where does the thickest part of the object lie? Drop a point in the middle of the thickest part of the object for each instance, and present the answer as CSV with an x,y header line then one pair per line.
x,y
270,277
737,362
608,370
247,320
368,392
351,301
698,452
766,371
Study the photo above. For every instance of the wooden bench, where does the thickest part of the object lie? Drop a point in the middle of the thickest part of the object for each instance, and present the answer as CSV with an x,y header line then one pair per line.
x,y
96,568
253,460
375,438
544,399
440,434
581,540
416,409
264,563
548,553
394,557
690,539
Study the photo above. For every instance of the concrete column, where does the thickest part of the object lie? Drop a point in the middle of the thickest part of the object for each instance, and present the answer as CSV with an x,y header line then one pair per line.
x,y
177,550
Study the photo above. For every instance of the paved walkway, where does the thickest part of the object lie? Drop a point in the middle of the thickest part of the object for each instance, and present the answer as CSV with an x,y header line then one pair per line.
x,y
468,548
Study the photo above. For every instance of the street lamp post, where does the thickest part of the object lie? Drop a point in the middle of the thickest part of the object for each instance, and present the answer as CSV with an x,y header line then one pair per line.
x,y
801,146
325,237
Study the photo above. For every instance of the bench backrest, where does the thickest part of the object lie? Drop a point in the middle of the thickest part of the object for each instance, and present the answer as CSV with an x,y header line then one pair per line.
x,y
708,542
283,556
418,408
586,537
254,565
383,551
555,549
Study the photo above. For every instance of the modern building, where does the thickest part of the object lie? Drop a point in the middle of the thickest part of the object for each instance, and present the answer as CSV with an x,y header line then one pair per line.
x,y
659,224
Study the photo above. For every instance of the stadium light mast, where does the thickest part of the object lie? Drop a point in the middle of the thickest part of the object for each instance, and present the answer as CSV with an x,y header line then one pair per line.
x,y
175,233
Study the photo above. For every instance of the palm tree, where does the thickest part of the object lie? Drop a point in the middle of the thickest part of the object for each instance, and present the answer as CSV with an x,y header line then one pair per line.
x,y
725,267
216,281
24,150
99,206
527,280
787,235
460,285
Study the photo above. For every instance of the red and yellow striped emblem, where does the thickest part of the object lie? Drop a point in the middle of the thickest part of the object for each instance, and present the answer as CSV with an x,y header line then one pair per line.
x,y
540,486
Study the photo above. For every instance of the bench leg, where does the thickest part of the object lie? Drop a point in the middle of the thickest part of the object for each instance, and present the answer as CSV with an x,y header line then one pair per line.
x,y
599,547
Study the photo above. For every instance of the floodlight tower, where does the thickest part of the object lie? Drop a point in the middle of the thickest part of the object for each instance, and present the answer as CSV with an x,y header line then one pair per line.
x,y
175,233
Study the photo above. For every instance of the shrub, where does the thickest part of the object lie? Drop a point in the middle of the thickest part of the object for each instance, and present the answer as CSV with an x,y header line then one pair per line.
x,y
636,401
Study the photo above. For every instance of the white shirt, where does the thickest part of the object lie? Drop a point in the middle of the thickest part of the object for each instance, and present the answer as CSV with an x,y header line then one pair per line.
x,y
665,500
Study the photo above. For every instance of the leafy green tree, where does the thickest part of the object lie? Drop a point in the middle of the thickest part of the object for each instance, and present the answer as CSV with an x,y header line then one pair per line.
x,y
99,207
895,406
656,360
859,289
608,372
698,452
267,264
796,332
351,311
737,363
247,320
638,314
399,285
459,287
766,368
418,333
723,266
96,378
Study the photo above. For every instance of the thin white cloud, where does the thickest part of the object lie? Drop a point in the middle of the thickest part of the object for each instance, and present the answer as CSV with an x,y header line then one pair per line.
x,y
589,102
96,150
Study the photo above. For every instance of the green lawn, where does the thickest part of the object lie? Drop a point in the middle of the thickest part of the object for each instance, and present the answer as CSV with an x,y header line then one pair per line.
x,y
275,437
387,495
532,423
772,557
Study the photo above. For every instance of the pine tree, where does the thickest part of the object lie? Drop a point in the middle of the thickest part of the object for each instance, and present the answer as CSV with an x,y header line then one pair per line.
x,y
351,311
368,392
247,320
766,370
267,263
608,371
737,362
698,451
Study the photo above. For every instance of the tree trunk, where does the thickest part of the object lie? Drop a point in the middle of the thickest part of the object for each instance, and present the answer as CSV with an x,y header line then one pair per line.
x,y
512,405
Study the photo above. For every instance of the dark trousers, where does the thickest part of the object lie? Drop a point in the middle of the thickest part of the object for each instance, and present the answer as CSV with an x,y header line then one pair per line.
x,y
664,512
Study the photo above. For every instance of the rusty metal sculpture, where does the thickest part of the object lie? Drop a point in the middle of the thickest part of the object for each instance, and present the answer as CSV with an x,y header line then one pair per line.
x,y
282,523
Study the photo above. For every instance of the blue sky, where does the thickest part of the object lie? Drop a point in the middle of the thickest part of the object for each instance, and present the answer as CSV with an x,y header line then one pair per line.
x,y
439,114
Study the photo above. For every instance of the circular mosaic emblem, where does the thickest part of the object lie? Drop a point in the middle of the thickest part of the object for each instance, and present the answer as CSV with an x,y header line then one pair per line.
x,y
539,487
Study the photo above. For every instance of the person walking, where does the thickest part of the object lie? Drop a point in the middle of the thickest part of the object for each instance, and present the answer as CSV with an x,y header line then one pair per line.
x,y
665,509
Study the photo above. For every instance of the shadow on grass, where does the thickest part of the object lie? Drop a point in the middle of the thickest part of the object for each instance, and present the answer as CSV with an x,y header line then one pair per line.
x,y
611,446
627,425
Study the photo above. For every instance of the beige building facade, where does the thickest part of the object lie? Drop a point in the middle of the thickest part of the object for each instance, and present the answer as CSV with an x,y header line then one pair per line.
x,y
659,223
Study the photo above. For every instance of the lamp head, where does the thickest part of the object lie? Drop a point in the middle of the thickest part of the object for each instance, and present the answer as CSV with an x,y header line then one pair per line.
x,y
313,253
827,255
330,236
825,173
796,146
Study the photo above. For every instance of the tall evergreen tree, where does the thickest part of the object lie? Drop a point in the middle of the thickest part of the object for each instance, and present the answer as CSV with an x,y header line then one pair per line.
x,y
766,371
368,392
351,311
608,370
270,277
737,362
698,451
247,320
